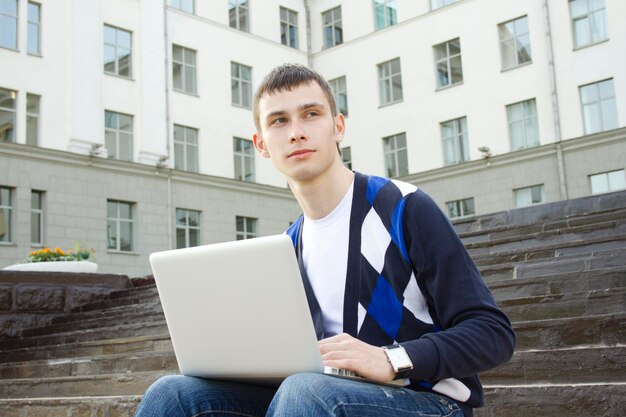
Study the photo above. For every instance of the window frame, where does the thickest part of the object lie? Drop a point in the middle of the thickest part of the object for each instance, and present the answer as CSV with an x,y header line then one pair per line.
x,y
460,140
38,212
389,18
445,3
16,34
35,117
448,59
460,206
599,104
118,222
184,65
187,158
116,71
181,7
238,6
338,92
392,151
241,157
587,16
524,124
346,157
246,222
118,132
335,25
36,24
6,211
386,82
530,189
4,137
515,38
187,227
289,29
608,181
240,81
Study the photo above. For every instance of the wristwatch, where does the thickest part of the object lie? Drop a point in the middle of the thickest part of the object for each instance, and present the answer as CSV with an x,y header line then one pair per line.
x,y
399,360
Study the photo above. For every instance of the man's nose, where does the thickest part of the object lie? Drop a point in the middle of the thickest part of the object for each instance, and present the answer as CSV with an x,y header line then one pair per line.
x,y
297,132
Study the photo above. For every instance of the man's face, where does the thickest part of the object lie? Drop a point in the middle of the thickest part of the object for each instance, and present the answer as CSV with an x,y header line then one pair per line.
x,y
299,132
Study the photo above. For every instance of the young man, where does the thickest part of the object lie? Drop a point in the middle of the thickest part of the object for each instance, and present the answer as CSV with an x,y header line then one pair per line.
x,y
392,291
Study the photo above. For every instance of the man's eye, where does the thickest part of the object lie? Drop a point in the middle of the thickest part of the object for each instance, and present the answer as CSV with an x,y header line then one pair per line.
x,y
311,114
279,120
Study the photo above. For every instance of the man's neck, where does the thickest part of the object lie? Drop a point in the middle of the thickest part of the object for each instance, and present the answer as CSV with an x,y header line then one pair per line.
x,y
319,196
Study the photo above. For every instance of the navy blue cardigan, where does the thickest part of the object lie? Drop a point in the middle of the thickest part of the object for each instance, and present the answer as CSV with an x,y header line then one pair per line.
x,y
411,281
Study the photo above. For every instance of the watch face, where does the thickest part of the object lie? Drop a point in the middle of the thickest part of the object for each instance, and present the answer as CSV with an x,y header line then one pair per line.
x,y
398,358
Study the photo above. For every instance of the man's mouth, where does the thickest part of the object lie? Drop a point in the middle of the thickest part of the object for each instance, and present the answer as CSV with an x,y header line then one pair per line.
x,y
300,152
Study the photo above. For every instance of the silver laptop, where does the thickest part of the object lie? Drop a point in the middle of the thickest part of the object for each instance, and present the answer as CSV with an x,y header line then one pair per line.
x,y
238,311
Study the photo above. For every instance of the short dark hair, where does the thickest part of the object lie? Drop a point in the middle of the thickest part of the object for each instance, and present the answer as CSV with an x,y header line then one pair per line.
x,y
287,77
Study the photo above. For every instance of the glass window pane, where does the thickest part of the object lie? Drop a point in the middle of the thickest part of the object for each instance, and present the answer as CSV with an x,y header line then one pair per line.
x,y
523,49
33,39
111,234
179,156
124,210
109,58
35,228
617,180
123,39
181,241
109,35
454,46
126,233
456,69
194,237
609,114
589,93
581,32
32,130
177,76
578,7
593,122
8,32
190,57
606,89
177,53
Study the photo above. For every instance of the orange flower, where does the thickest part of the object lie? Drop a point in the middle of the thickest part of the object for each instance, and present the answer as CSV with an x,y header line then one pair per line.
x,y
46,250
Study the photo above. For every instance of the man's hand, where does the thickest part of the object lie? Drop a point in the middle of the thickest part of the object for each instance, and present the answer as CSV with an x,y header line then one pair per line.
x,y
346,352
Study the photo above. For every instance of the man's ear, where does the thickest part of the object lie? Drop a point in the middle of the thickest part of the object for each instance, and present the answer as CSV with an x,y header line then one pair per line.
x,y
340,127
259,144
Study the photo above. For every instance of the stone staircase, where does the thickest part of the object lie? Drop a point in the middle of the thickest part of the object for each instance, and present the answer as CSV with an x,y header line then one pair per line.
x,y
558,270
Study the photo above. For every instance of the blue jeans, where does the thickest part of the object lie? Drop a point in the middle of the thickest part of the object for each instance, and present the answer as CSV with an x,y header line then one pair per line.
x,y
305,394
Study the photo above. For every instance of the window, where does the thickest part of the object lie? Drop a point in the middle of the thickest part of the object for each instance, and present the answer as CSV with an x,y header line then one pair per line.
x,y
523,129
117,52
34,28
186,148
8,23
332,27
238,14
454,137
588,22
36,218
608,181
461,208
7,115
598,105
396,156
448,62
340,93
32,119
119,225
346,157
241,84
246,228
5,214
385,13
390,81
437,4
514,42
187,228
184,5
288,27
184,69
529,196
244,159
118,135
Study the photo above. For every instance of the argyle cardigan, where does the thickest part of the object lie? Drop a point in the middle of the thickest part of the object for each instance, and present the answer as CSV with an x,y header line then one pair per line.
x,y
410,281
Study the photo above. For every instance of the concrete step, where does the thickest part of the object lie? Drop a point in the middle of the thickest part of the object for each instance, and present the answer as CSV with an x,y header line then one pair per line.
x,y
587,303
157,327
567,282
147,343
109,406
507,230
554,237
549,400
131,314
136,296
104,364
134,383
574,263
559,251
600,330
561,366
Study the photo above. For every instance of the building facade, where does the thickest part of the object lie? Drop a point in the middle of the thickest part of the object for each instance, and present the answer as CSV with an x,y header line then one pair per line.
x,y
126,124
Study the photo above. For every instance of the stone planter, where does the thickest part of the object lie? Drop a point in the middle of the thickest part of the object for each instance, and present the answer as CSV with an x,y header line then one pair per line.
x,y
57,266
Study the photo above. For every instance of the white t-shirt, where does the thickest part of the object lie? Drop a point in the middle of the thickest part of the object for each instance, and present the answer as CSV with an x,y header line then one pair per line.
x,y
325,257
